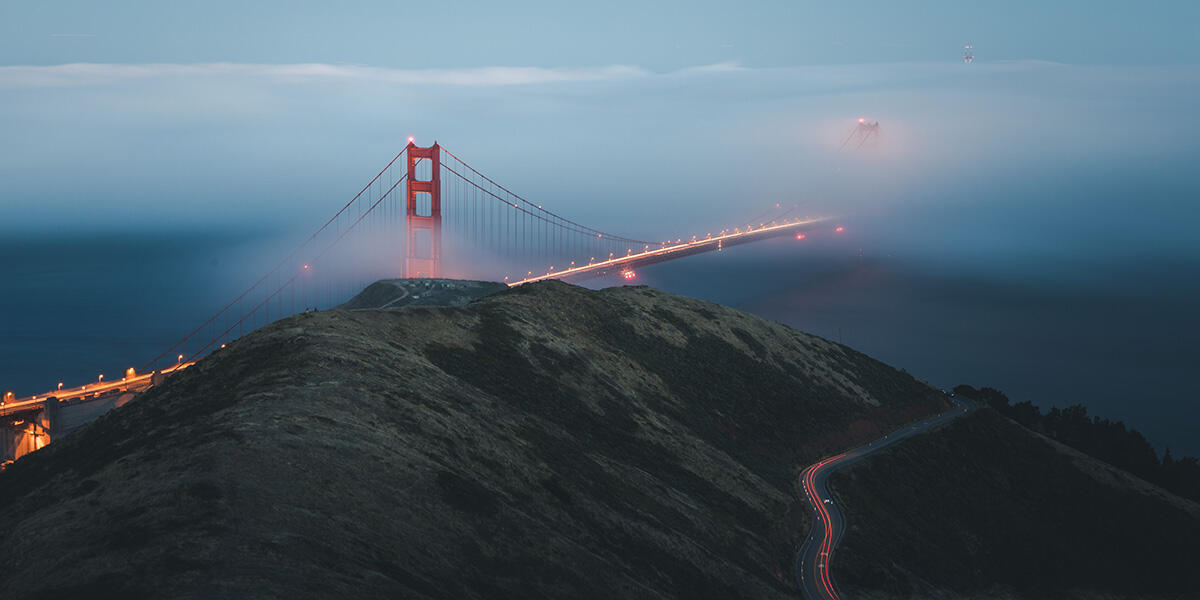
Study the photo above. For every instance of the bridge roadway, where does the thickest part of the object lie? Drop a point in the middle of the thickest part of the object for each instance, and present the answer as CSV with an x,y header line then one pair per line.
x,y
829,524
136,383
672,251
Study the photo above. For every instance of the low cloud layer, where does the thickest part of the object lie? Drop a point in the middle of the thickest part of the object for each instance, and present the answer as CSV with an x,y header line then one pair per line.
x,y
99,75
1021,159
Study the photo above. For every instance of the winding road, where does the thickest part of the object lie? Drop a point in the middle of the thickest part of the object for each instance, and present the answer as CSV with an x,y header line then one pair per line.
x,y
812,562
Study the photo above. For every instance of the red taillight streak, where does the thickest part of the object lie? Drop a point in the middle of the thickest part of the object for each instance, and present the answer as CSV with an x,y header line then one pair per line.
x,y
822,567
827,544
827,541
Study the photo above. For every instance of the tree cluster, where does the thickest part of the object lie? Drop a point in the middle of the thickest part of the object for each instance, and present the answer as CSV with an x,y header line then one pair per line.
x,y
1109,441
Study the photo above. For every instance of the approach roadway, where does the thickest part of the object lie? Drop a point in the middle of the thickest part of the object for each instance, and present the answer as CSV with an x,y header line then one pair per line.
x,y
812,562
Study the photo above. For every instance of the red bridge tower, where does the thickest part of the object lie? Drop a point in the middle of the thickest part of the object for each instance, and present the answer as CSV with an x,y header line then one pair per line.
x,y
424,214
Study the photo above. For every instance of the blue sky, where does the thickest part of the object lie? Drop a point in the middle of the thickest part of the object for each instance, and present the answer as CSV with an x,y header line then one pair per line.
x,y
655,35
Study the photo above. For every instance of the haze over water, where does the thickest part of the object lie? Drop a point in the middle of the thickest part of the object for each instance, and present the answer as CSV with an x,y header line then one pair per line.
x,y
1025,222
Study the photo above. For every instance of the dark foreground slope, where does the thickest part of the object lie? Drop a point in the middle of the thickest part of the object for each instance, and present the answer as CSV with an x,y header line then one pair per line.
x,y
544,442
987,508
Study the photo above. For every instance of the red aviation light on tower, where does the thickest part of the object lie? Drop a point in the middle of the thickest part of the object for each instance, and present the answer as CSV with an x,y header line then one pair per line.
x,y
840,229
411,139
800,236
628,274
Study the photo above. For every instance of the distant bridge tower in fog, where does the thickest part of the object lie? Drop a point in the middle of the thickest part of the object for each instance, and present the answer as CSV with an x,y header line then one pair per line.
x,y
968,54
862,132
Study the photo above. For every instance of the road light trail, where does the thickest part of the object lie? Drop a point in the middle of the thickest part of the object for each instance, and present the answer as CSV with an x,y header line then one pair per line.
x,y
136,382
814,559
669,251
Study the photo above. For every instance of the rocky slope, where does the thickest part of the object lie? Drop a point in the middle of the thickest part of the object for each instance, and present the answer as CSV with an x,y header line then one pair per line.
x,y
542,442
986,508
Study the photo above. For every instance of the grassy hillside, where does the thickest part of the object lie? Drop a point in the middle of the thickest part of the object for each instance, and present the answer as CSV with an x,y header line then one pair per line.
x,y
543,442
986,507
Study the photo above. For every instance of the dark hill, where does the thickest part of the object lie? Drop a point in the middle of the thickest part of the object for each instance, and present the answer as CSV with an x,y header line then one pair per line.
x,y
986,508
542,442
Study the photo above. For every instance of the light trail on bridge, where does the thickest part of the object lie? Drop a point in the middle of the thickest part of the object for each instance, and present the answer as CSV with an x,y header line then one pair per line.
x,y
125,384
670,251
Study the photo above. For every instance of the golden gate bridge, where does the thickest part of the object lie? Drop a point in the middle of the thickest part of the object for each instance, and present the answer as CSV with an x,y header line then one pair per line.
x,y
452,215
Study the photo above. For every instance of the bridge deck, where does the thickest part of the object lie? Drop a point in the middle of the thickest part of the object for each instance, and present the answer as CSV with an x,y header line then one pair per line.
x,y
674,251
135,383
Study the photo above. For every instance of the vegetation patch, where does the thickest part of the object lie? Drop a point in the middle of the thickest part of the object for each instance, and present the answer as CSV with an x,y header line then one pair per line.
x,y
1109,441
985,503
467,495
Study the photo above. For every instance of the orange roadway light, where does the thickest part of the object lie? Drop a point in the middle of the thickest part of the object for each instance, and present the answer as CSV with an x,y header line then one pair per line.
x,y
130,372
180,359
